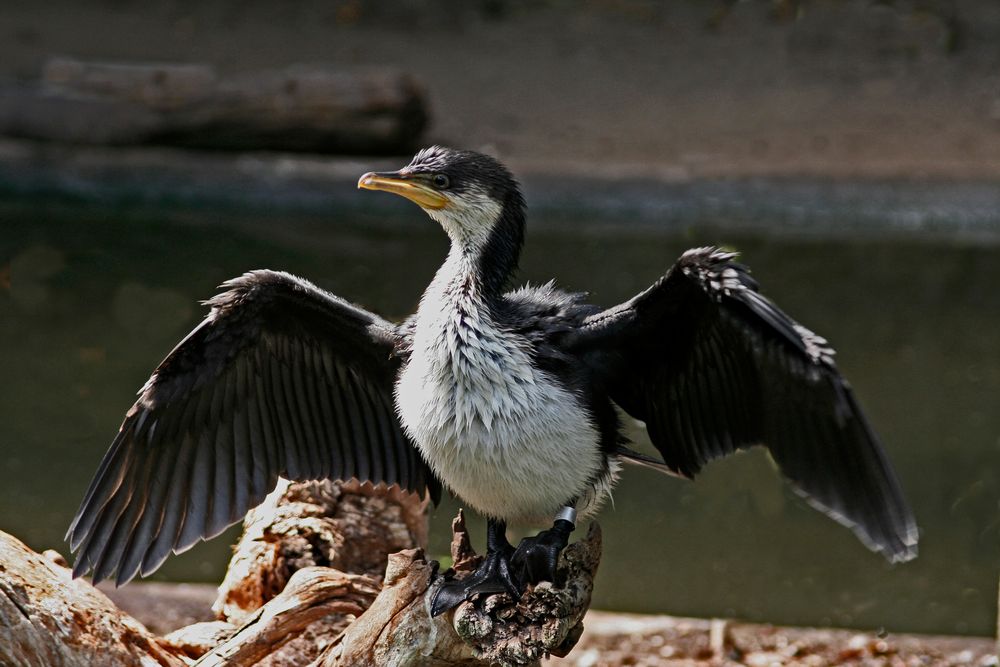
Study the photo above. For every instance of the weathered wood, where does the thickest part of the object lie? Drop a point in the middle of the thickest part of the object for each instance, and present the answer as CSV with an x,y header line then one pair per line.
x,y
398,630
197,639
300,108
547,620
344,525
47,618
352,527
313,594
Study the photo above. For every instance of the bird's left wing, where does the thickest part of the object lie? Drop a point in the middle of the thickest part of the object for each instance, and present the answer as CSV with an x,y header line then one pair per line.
x,y
281,378
711,366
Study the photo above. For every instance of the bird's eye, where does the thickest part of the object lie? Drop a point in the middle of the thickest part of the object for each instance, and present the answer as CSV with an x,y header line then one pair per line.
x,y
441,181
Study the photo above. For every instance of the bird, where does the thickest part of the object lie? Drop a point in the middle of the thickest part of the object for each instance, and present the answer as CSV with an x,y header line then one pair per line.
x,y
511,399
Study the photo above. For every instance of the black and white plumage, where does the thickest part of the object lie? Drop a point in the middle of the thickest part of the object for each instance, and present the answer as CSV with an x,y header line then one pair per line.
x,y
505,398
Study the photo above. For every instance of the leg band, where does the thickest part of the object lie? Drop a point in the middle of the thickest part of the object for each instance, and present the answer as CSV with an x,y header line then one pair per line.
x,y
567,514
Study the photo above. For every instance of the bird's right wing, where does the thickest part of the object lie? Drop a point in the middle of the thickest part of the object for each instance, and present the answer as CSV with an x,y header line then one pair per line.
x,y
281,378
712,366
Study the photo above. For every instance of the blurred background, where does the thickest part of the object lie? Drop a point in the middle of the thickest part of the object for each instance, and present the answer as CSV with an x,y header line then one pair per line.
x,y
850,149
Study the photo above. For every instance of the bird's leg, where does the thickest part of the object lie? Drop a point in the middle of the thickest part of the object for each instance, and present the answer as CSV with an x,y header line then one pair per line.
x,y
492,576
535,558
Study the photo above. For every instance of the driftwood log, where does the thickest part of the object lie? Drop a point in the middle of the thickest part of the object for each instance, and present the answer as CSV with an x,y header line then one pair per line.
x,y
300,108
325,574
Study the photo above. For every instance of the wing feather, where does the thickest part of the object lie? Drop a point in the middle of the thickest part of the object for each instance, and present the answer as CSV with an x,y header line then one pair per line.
x,y
344,426
148,524
174,510
230,479
198,496
359,433
309,398
253,430
280,378
712,366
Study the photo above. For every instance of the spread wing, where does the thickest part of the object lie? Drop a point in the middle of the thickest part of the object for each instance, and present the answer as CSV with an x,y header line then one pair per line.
x,y
712,366
281,378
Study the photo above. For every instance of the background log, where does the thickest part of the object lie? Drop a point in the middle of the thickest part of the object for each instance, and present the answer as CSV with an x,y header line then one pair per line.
x,y
300,108
49,619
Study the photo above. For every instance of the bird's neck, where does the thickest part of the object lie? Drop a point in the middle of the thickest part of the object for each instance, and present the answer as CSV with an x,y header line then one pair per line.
x,y
478,267
488,261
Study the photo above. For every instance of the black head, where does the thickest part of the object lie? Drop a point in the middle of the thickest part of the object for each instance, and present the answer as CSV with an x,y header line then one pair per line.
x,y
460,173
473,196
466,192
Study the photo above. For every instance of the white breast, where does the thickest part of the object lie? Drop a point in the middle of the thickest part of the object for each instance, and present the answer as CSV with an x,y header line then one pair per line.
x,y
502,434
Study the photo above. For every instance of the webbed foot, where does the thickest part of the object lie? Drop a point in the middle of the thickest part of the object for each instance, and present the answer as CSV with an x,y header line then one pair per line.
x,y
492,576
536,558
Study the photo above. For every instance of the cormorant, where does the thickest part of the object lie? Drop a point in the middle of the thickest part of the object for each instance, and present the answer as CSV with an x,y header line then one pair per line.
x,y
507,399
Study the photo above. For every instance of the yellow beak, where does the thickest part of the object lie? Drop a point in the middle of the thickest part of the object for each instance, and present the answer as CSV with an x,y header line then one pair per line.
x,y
413,190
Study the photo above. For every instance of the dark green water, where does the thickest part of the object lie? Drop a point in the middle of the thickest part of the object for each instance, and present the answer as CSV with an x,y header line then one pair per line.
x,y
97,299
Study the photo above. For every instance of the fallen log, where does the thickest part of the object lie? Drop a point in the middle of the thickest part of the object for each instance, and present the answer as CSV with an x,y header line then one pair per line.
x,y
47,618
300,108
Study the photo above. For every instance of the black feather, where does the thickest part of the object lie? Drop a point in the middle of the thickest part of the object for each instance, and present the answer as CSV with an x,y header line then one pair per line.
x,y
280,378
713,366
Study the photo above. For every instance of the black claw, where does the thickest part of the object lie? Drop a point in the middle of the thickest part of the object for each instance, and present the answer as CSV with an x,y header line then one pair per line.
x,y
505,569
536,558
493,576
448,596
